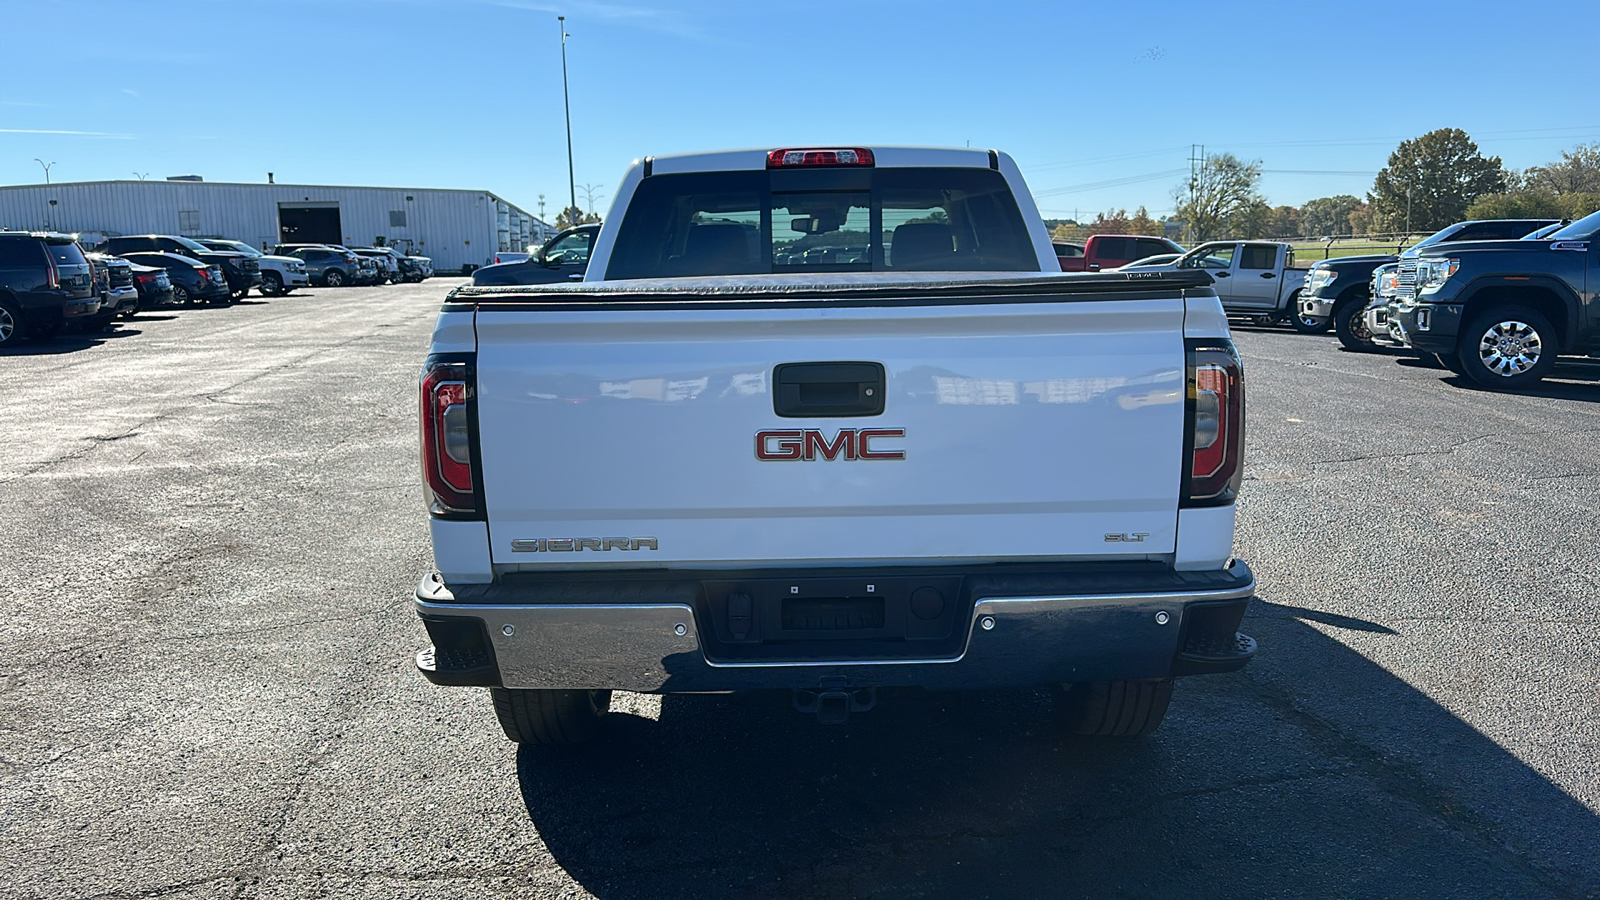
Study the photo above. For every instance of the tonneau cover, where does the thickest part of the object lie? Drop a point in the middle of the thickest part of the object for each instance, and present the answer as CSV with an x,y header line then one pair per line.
x,y
865,288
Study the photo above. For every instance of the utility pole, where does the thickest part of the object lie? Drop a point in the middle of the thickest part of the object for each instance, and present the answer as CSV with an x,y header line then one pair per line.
x,y
1408,206
46,168
566,99
1197,162
589,191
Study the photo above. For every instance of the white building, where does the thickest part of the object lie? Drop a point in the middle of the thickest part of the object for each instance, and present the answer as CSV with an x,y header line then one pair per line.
x,y
456,228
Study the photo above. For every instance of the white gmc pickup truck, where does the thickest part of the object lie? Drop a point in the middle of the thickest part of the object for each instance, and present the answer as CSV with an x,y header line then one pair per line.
x,y
825,421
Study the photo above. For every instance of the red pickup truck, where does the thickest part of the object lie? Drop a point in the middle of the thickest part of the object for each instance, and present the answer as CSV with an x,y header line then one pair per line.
x,y
1107,251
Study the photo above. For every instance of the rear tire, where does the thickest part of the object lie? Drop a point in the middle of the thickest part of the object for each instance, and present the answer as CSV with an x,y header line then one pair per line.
x,y
550,718
1350,324
1113,708
10,323
333,278
180,296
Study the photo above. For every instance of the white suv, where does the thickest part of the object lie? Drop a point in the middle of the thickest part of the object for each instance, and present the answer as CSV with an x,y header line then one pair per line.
x,y
279,274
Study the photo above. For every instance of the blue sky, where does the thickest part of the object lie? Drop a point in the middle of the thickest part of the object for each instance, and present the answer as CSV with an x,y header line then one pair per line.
x,y
1099,102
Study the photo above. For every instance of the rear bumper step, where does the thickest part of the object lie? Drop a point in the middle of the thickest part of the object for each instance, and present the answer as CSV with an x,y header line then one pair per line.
x,y
995,641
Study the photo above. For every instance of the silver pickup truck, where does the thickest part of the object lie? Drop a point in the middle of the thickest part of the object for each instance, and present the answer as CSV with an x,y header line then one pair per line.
x,y
891,449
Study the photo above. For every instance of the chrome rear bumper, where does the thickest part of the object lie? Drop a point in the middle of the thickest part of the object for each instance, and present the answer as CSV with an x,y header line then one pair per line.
x,y
1009,642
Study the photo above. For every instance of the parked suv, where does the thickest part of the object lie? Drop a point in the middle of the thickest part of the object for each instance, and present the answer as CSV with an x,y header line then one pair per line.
x,y
388,268
45,282
114,284
324,265
279,274
241,270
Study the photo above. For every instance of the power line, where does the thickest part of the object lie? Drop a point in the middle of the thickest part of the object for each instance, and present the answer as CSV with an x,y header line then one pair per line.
x,y
1110,182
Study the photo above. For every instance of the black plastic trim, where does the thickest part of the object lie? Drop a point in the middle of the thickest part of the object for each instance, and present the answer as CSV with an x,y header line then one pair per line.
x,y
649,166
994,160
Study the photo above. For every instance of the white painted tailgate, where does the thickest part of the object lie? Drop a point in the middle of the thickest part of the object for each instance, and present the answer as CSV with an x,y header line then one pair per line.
x,y
1032,430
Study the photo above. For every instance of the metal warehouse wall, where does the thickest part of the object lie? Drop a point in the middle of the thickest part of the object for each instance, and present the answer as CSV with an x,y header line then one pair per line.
x,y
453,227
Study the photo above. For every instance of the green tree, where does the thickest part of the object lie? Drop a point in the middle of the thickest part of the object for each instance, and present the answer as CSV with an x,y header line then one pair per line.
x,y
1222,189
573,214
1359,219
1534,204
1578,172
1435,177
1251,221
1328,216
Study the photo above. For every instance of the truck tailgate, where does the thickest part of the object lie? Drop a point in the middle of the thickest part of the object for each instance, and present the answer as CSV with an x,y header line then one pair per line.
x,y
629,438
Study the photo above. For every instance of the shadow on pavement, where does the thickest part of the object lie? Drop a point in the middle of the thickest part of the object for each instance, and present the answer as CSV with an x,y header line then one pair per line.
x,y
65,343
1312,773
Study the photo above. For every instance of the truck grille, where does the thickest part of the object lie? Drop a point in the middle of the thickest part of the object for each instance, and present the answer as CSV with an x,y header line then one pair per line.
x,y
249,266
121,276
1406,280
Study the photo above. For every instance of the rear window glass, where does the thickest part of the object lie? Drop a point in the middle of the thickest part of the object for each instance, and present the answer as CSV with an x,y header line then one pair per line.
x,y
66,253
20,253
1152,248
824,220
1116,248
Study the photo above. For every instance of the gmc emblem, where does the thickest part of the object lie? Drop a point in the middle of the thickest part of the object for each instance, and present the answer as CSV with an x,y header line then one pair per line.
x,y
807,444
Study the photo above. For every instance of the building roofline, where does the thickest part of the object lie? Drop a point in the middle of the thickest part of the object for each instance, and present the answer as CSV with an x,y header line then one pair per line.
x,y
279,184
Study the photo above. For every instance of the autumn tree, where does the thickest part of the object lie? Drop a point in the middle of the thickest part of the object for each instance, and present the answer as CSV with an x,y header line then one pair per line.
x,y
1431,180
573,214
1222,189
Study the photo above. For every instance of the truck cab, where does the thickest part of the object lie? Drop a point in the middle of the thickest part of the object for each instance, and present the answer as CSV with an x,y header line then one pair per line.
x,y
1253,278
1109,251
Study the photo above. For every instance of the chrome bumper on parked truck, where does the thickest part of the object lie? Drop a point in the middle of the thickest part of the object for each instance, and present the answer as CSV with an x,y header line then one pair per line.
x,y
1012,641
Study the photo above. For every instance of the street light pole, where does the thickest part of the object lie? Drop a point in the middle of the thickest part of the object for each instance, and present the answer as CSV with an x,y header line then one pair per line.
x,y
46,168
566,99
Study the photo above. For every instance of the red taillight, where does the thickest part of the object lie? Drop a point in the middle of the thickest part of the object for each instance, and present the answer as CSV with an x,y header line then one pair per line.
x,y
852,157
1216,424
447,438
53,278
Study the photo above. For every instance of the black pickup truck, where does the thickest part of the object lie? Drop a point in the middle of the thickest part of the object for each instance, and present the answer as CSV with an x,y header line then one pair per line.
x,y
1336,290
1499,312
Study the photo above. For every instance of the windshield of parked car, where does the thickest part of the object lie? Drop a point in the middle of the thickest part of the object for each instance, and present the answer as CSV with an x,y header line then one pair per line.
x,y
1582,229
242,247
822,220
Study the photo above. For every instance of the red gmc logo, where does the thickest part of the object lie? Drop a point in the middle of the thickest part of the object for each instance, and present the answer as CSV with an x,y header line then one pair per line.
x,y
809,443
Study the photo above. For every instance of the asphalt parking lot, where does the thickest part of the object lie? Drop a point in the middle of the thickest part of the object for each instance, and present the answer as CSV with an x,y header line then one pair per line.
x,y
212,525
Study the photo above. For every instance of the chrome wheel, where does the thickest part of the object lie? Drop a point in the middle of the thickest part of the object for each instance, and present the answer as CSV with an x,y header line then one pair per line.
x,y
8,325
1510,348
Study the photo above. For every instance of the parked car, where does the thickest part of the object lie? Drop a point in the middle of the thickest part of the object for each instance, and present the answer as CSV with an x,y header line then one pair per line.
x,y
118,295
762,560
279,274
1337,289
1258,279
388,267
193,281
241,270
562,258
1499,312
1109,251
154,285
325,265
45,283
1067,250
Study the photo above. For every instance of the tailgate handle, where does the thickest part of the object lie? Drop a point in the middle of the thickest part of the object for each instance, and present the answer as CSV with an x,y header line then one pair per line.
x,y
828,389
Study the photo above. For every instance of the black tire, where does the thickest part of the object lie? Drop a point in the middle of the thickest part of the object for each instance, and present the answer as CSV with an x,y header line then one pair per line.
x,y
1451,361
1303,323
1113,708
180,296
548,718
271,284
333,278
1523,355
11,329
1350,324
